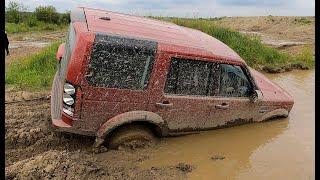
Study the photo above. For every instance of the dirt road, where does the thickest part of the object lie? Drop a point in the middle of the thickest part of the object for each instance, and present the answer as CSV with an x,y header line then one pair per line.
x,y
25,44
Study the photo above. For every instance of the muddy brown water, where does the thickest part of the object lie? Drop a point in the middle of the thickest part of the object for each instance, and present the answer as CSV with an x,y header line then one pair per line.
x,y
279,149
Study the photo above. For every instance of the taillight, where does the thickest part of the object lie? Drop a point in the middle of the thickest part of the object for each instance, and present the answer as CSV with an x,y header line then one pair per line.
x,y
69,89
69,98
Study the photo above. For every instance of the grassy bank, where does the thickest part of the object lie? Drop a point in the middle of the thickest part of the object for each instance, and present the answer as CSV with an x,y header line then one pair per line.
x,y
33,72
250,48
39,26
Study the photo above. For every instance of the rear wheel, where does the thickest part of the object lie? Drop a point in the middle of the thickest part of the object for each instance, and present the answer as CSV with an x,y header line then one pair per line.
x,y
132,136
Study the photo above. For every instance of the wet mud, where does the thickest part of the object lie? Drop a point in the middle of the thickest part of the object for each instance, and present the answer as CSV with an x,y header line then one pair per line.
x,y
254,151
34,151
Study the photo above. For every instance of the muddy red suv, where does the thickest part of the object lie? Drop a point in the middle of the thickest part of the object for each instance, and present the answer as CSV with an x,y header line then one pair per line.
x,y
126,78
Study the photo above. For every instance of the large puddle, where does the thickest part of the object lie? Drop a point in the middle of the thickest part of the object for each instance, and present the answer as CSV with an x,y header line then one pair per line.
x,y
280,149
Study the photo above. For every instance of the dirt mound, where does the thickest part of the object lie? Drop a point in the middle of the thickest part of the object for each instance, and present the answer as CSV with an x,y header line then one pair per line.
x,y
292,28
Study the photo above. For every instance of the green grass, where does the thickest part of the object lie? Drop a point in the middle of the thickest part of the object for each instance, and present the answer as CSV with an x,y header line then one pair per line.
x,y
37,26
302,20
305,57
250,48
34,72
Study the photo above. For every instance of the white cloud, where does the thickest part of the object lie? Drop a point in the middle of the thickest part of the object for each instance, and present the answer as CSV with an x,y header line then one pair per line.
x,y
187,8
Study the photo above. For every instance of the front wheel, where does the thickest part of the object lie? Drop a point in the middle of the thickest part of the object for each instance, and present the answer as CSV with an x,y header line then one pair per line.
x,y
132,136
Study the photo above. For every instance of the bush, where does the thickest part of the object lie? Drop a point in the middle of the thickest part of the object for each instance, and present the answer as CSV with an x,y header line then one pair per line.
x,y
31,20
47,14
302,20
306,57
44,18
13,14
64,18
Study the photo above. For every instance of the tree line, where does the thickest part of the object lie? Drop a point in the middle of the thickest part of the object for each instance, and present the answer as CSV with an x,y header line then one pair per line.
x,y
17,13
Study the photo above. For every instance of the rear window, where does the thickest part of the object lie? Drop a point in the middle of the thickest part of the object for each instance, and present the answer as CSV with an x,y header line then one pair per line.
x,y
118,62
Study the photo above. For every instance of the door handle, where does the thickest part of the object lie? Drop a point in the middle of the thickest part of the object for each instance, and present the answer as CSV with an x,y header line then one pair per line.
x,y
165,105
222,106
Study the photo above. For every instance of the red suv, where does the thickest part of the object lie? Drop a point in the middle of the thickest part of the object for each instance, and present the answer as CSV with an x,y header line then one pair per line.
x,y
126,79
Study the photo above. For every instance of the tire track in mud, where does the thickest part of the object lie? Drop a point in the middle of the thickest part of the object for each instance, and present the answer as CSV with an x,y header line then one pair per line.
x,y
34,151
26,100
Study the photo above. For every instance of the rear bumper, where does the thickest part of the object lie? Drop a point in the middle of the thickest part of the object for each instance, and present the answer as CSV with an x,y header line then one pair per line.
x,y
60,126
60,121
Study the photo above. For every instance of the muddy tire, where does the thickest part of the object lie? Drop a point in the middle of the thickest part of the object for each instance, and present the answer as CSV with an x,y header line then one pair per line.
x,y
132,137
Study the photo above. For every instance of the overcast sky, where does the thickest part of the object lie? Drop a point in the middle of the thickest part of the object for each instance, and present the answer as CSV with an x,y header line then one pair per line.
x,y
187,8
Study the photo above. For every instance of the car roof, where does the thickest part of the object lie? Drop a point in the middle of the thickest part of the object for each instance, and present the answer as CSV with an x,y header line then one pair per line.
x,y
169,36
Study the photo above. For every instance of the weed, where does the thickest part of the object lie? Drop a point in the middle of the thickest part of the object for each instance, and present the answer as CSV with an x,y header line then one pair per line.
x,y
305,57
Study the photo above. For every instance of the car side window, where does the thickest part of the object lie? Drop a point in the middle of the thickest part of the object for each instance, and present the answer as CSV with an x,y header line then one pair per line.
x,y
188,77
123,63
233,81
194,77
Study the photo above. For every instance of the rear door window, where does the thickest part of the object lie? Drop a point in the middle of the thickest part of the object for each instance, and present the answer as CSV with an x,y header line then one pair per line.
x,y
118,62
189,77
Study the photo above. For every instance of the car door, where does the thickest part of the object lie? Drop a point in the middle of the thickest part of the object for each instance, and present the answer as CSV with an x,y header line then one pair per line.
x,y
188,96
230,97
180,92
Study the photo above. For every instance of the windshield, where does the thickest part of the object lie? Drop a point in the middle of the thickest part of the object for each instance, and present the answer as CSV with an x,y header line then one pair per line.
x,y
70,43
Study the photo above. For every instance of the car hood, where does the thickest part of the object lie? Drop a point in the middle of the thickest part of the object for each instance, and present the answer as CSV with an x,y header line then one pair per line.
x,y
270,90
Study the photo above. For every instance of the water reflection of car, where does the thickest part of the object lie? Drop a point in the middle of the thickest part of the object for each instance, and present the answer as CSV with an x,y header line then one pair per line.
x,y
127,78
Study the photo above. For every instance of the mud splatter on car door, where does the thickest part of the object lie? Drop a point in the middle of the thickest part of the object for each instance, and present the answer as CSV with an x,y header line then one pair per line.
x,y
201,94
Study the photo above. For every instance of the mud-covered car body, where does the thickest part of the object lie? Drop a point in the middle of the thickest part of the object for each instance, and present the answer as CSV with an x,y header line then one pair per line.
x,y
116,69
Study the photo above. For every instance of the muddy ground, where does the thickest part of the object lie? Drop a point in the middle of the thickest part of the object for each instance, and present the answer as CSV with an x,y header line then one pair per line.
x,y
34,151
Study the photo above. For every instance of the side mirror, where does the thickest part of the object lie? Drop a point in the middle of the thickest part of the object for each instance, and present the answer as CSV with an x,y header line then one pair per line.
x,y
256,96
60,52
